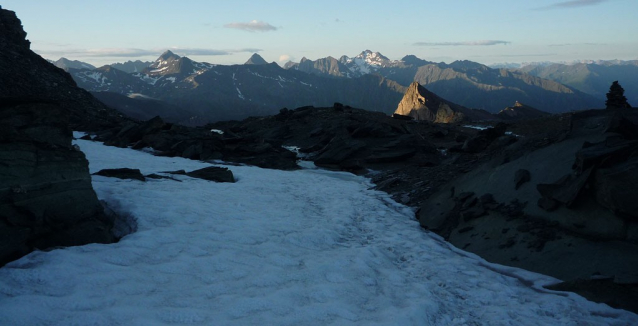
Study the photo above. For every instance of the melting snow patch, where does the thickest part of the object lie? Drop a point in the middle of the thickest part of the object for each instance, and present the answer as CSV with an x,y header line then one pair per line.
x,y
160,69
476,127
306,247
217,131
295,149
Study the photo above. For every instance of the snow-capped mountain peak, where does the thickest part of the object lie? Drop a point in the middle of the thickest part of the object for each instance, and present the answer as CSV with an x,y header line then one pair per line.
x,y
365,62
373,58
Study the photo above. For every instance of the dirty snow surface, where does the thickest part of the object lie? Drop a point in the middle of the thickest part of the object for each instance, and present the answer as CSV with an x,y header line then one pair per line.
x,y
307,247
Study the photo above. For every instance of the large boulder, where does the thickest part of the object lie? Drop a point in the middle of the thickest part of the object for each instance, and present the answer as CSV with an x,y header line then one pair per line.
x,y
213,173
46,197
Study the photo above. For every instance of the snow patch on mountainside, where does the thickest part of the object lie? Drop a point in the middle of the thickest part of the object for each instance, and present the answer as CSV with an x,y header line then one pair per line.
x,y
239,94
147,79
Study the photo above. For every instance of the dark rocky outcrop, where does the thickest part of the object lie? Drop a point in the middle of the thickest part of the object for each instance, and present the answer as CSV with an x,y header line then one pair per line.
x,y
520,112
213,173
485,138
601,288
341,137
46,197
169,139
573,213
122,173
520,177
25,76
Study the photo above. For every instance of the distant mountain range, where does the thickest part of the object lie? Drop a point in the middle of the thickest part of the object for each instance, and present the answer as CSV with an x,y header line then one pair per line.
x,y
131,66
467,83
592,77
207,92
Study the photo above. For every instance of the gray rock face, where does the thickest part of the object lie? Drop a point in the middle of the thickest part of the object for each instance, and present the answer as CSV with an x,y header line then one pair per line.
x,y
46,197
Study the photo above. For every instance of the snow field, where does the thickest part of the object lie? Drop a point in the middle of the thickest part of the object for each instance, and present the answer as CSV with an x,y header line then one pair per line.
x,y
307,247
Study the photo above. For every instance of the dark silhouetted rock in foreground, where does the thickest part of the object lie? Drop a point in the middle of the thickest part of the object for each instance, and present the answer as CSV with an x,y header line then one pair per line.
x,y
46,197
213,173
27,76
620,296
123,173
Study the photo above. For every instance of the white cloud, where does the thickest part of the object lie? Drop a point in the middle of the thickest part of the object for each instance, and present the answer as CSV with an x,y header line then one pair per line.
x,y
136,53
253,26
470,43
285,58
572,4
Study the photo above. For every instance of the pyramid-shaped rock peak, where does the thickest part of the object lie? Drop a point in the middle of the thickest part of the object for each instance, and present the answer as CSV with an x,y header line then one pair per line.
x,y
422,104
256,59
520,111
168,54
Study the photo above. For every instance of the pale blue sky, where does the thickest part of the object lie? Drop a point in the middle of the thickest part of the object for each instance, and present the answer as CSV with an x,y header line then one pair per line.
x,y
227,32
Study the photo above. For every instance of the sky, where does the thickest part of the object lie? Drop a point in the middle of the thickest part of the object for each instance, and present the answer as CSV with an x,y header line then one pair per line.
x,y
228,32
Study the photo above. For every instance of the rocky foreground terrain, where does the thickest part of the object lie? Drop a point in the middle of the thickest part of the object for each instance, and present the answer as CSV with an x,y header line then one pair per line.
x,y
552,195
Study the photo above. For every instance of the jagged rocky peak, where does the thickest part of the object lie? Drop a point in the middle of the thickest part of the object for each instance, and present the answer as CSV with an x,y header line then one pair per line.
x,y
256,59
422,104
11,31
167,55
170,63
131,66
291,65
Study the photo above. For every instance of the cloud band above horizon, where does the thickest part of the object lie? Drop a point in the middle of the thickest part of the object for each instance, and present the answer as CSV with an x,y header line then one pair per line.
x,y
572,4
135,53
252,26
469,43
